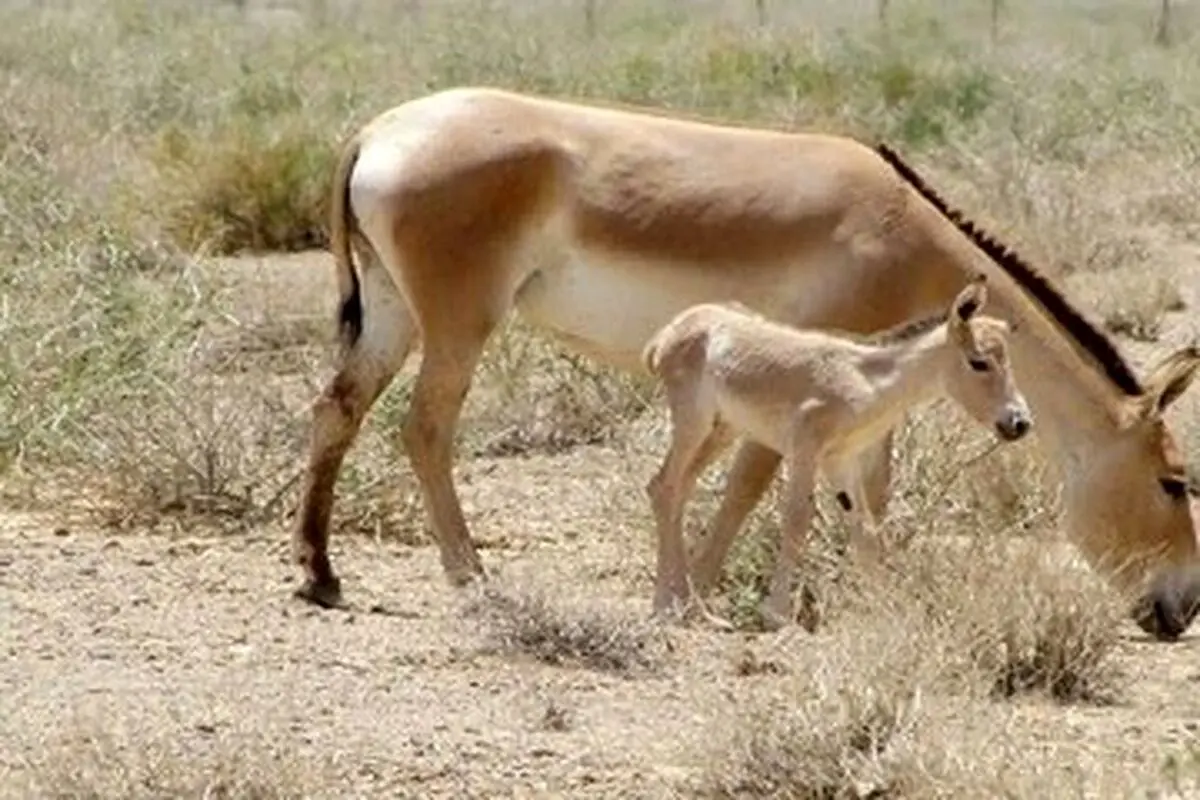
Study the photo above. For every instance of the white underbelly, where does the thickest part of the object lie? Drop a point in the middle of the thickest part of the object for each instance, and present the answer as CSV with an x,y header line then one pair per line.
x,y
609,307
768,426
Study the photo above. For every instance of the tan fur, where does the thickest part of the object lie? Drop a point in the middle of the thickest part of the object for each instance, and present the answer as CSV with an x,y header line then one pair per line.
x,y
816,398
599,225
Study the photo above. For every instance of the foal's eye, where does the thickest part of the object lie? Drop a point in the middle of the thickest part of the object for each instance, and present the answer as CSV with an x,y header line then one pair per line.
x,y
1176,488
978,364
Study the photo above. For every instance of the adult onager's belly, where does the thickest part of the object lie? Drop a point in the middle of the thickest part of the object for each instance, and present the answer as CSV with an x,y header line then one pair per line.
x,y
609,306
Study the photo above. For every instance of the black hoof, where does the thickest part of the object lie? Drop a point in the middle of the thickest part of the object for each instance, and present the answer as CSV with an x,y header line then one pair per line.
x,y
326,594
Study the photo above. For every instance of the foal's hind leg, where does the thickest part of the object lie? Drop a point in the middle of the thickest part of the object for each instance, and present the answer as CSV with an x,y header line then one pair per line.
x,y
696,437
850,480
337,414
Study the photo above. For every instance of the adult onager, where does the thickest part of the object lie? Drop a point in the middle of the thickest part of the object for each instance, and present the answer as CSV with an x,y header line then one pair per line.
x,y
600,224
818,399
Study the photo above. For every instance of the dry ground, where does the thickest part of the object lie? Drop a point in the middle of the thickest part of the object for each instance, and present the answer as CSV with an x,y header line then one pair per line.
x,y
154,386
178,661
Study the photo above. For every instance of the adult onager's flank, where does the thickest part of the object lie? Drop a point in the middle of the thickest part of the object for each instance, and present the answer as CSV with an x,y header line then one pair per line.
x,y
818,399
600,225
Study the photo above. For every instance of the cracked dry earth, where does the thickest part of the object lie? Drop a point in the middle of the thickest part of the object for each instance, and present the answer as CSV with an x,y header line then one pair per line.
x,y
162,649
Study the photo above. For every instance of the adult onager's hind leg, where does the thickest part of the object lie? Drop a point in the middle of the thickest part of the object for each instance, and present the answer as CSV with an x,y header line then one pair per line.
x,y
447,368
458,299
364,371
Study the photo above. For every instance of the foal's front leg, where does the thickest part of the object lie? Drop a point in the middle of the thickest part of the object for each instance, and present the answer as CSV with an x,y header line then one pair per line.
x,y
864,545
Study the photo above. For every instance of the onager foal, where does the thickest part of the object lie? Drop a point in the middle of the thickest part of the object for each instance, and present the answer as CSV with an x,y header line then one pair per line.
x,y
816,398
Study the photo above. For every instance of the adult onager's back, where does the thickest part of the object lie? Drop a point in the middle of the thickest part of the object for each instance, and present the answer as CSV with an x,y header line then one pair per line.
x,y
599,225
818,399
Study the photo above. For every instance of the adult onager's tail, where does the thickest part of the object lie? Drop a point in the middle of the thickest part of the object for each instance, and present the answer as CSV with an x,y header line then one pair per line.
x,y
342,226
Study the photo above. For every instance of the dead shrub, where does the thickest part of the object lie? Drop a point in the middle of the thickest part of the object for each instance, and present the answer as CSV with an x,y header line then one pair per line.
x,y
855,726
526,621
1052,636
94,766
250,187
194,447
1020,622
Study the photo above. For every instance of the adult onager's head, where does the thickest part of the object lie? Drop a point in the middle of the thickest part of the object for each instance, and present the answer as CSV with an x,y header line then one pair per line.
x,y
978,375
1153,499
600,224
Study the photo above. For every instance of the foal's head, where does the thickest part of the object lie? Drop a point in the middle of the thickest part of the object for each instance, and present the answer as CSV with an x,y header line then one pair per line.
x,y
977,374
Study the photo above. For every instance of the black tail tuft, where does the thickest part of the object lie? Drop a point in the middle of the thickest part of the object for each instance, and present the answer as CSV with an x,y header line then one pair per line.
x,y
350,316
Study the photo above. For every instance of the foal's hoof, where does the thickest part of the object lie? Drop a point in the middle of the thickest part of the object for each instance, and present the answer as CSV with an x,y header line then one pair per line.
x,y
324,594
715,622
773,619
690,613
668,613
466,577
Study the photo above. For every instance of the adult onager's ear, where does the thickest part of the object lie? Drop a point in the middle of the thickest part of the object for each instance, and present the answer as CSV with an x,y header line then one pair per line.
x,y
1169,380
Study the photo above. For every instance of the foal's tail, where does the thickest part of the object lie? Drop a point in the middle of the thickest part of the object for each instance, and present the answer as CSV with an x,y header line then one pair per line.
x,y
653,350
342,227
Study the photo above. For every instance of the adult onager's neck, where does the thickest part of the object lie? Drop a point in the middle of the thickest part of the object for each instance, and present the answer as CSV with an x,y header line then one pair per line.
x,y
1090,411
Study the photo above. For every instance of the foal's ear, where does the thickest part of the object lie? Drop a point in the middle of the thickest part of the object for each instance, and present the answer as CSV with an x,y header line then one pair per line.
x,y
970,300
1169,380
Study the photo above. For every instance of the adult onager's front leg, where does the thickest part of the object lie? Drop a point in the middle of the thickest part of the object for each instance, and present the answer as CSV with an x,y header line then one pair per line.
x,y
777,609
754,467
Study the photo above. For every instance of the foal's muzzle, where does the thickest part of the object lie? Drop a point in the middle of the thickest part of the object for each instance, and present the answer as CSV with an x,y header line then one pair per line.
x,y
1014,426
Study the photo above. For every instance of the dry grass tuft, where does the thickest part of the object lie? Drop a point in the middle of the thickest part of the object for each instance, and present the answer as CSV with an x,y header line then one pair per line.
x,y
1057,638
556,718
538,397
1015,622
853,726
523,620
94,767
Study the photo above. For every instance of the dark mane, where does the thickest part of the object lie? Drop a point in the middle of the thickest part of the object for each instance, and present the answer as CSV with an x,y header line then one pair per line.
x,y
905,331
1093,342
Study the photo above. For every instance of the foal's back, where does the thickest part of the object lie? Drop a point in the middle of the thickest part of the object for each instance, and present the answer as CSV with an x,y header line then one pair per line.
x,y
753,372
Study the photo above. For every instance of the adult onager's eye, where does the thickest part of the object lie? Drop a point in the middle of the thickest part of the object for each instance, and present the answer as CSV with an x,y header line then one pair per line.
x,y
1175,487
978,364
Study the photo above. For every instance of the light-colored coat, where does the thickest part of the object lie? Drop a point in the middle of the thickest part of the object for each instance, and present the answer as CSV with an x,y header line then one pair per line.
x,y
600,224
819,399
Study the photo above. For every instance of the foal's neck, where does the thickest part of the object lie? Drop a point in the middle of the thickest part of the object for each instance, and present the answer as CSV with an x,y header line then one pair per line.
x,y
907,373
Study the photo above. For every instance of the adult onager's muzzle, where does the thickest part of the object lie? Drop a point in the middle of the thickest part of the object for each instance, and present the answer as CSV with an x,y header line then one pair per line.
x,y
1167,609
1014,424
